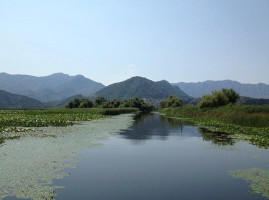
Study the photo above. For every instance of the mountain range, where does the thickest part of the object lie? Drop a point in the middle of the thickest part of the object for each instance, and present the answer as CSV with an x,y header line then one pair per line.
x,y
199,89
49,88
56,90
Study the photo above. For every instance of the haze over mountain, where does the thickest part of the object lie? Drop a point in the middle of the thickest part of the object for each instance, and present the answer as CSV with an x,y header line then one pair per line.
x,y
142,88
9,100
49,88
199,89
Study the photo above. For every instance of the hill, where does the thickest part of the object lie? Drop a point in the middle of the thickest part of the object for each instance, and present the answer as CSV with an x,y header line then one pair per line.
x,y
201,88
141,88
49,88
9,100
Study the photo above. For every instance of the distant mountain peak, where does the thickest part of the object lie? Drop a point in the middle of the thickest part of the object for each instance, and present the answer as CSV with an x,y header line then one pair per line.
x,y
142,88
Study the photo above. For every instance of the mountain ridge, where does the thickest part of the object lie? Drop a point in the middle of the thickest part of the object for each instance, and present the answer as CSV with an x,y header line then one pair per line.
x,y
49,88
198,89
12,101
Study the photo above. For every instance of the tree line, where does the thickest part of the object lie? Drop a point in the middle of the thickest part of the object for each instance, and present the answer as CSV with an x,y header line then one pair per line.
x,y
101,102
216,99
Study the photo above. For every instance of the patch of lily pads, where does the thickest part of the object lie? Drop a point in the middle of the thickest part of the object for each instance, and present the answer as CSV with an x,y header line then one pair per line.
x,y
30,164
257,178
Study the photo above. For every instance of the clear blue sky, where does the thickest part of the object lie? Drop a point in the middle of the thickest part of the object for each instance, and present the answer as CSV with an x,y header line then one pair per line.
x,y
110,41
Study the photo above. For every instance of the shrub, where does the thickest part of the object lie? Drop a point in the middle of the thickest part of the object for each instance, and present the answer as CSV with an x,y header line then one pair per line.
x,y
231,94
219,98
171,102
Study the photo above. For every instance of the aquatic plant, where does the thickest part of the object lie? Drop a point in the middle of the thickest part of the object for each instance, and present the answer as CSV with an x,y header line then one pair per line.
x,y
30,164
258,179
250,123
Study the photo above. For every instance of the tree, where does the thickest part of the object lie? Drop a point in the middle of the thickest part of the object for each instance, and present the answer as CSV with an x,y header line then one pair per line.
x,y
70,105
207,101
100,101
76,102
85,103
231,94
219,98
171,101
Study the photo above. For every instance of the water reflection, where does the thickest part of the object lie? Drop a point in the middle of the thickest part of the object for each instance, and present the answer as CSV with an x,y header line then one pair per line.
x,y
151,125
220,139
154,125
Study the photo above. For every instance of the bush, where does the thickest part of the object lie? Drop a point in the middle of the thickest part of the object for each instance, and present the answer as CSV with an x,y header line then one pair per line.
x,y
100,101
80,103
85,103
171,102
219,98
231,95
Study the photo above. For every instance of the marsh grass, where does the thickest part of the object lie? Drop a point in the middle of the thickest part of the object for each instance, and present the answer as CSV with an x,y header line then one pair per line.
x,y
248,122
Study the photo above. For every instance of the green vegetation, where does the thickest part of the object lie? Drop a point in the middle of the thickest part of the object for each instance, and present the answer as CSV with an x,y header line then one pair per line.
x,y
24,120
80,103
101,102
249,123
258,179
171,102
219,98
30,167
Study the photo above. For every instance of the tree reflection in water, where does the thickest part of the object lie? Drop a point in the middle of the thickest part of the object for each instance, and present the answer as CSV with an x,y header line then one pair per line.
x,y
154,125
220,139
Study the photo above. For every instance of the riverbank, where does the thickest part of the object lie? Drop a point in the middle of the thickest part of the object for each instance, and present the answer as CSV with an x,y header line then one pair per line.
x,y
17,123
249,123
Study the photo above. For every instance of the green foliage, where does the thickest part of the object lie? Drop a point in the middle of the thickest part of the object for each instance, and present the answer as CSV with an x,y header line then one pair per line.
x,y
15,120
231,95
207,102
140,104
171,101
85,103
80,103
24,120
250,123
101,102
219,98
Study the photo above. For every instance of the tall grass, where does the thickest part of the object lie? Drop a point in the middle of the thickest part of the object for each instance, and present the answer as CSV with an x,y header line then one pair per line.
x,y
249,123
247,116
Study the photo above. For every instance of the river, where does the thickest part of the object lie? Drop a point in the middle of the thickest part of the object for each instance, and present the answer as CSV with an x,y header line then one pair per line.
x,y
155,158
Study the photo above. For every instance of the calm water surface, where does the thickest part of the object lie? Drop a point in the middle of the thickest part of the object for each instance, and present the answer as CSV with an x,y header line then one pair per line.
x,y
161,158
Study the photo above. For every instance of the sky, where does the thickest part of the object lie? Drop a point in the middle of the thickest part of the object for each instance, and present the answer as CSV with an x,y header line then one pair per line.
x,y
112,40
